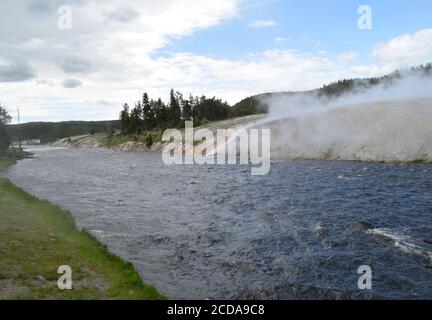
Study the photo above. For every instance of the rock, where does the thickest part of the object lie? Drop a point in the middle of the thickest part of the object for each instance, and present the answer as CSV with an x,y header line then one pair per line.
x,y
40,278
80,142
365,226
132,147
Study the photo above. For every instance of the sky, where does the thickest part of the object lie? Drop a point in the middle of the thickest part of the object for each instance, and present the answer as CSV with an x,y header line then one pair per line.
x,y
83,59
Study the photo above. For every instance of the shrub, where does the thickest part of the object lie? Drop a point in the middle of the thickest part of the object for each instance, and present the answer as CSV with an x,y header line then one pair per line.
x,y
148,140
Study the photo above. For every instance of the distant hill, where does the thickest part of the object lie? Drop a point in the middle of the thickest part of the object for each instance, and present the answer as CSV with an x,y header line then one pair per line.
x,y
255,104
52,131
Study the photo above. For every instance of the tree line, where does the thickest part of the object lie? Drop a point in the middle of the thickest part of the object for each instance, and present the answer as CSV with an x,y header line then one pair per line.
x,y
256,104
149,114
51,131
338,88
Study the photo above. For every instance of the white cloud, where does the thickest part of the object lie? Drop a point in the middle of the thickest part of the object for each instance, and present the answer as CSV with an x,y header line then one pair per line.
x,y
71,83
280,40
111,50
262,24
347,57
44,82
269,71
406,50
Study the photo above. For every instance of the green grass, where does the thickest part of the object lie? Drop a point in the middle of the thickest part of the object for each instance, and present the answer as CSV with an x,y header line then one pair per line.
x,y
117,140
10,158
6,162
144,138
36,237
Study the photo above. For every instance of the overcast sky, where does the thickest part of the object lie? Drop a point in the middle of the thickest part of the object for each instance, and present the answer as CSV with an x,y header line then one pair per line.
x,y
117,49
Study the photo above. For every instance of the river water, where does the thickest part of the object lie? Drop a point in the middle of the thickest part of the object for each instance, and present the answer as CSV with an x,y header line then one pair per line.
x,y
300,232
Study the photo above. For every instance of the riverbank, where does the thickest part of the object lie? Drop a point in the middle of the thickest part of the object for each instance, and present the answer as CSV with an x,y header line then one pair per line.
x,y
392,131
147,141
37,237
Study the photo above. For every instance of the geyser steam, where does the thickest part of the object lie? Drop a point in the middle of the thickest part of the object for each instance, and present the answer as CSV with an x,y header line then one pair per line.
x,y
390,122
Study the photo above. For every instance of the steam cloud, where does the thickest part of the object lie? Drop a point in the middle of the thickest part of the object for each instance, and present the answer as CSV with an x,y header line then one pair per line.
x,y
389,122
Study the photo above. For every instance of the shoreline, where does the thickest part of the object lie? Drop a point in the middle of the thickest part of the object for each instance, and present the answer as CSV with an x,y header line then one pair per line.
x,y
138,147
399,133
37,237
137,143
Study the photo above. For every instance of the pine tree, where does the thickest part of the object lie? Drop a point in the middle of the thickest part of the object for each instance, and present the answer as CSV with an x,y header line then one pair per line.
x,y
174,109
160,112
148,113
187,109
135,120
197,112
125,119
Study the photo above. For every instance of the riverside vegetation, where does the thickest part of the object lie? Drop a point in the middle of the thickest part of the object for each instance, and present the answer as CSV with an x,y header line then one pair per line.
x,y
37,237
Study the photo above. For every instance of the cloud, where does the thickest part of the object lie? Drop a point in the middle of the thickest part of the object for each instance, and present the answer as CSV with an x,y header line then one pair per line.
x,y
110,49
347,57
15,71
268,71
262,24
123,14
71,83
44,7
45,82
75,65
281,40
114,51
406,50
40,6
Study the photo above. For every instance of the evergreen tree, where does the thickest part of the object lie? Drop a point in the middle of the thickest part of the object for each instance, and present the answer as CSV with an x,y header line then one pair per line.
x,y
148,112
187,109
160,111
125,119
135,119
174,109
197,112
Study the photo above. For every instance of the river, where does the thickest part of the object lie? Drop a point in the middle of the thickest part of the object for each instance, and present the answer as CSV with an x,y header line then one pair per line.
x,y
196,232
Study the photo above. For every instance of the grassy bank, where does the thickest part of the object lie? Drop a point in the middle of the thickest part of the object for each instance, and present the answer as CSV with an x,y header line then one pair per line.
x,y
148,138
10,158
37,237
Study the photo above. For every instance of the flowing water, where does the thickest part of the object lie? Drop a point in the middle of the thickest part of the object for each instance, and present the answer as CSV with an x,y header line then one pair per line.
x,y
300,232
